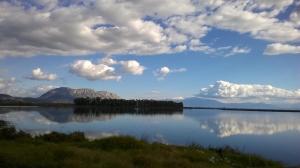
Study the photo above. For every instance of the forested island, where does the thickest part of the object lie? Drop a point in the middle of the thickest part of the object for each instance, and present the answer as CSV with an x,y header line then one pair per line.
x,y
142,105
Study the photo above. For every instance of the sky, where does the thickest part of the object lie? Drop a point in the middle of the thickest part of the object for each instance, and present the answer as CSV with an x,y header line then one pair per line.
x,y
241,50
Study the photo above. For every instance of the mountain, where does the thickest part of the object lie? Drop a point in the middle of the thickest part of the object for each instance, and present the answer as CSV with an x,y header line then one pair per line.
x,y
67,95
58,95
5,97
201,102
7,100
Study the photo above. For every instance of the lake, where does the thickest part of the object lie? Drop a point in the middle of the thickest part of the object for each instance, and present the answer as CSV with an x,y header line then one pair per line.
x,y
274,135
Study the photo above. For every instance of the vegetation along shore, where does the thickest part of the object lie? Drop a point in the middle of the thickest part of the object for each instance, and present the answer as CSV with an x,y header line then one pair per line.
x,y
19,149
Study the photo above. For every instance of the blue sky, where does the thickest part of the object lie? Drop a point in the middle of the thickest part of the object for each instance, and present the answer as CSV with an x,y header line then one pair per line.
x,y
258,45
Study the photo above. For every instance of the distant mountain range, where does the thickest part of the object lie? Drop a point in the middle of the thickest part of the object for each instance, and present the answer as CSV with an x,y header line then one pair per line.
x,y
58,95
202,102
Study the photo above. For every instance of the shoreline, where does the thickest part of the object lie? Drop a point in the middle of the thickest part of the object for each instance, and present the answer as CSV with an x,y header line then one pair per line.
x,y
75,150
244,109
212,108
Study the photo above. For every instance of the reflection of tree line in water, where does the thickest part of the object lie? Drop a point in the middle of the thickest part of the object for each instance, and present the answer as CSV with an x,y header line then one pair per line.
x,y
82,110
87,112
127,106
89,109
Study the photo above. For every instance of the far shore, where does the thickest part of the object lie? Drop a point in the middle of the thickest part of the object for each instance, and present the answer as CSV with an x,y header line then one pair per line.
x,y
185,107
244,109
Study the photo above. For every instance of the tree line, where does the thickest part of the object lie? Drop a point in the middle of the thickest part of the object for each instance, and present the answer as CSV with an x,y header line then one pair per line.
x,y
129,104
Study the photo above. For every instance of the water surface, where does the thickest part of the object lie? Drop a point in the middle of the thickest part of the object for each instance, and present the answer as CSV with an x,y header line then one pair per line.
x,y
272,135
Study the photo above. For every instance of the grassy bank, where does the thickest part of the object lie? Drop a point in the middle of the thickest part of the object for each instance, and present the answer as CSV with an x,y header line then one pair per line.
x,y
19,149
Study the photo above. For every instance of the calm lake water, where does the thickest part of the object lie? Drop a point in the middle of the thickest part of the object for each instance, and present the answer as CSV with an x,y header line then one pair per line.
x,y
272,135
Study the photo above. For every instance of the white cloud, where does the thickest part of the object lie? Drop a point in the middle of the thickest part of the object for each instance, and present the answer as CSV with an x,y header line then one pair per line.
x,y
189,26
38,74
227,91
178,98
94,26
163,72
41,89
279,48
238,50
273,7
7,86
179,48
242,16
108,61
197,45
36,91
91,71
132,67
178,70
295,17
13,87
106,69
155,92
81,28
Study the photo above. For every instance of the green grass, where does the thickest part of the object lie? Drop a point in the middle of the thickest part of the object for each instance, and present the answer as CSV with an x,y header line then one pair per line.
x,y
19,150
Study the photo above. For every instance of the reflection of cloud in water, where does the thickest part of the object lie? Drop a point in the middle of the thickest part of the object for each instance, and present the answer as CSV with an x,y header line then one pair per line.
x,y
37,124
48,118
90,118
160,138
26,117
37,121
250,123
69,114
95,135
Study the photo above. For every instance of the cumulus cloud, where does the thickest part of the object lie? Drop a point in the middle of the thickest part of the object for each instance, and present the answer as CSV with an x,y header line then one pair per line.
x,y
106,69
30,28
38,74
91,71
132,67
227,91
279,48
163,72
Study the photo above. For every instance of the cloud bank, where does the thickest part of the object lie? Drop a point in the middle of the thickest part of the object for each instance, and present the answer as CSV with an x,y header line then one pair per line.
x,y
226,91
30,28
